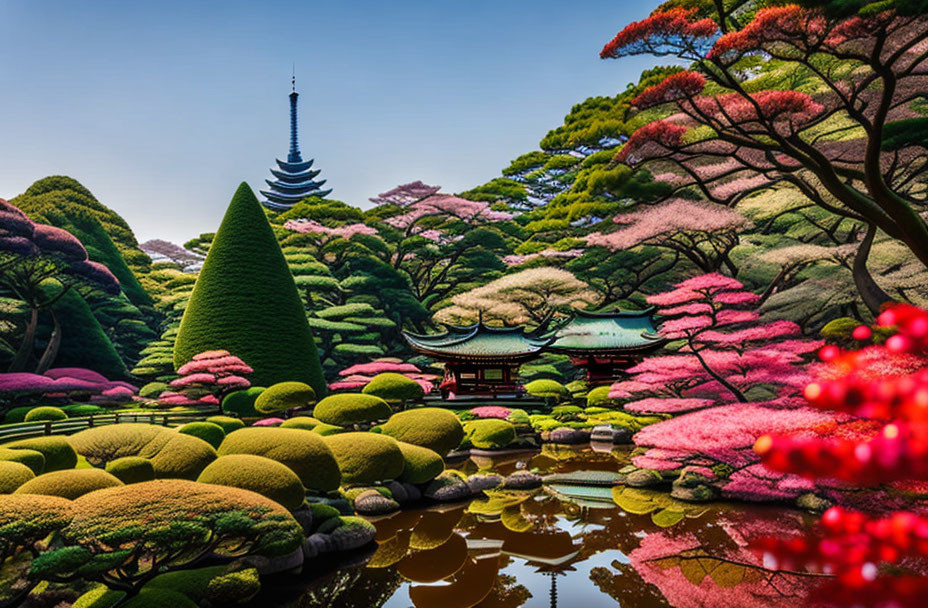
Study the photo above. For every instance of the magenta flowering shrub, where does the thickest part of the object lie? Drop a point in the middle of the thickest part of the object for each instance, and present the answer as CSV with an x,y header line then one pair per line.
x,y
491,411
25,387
206,378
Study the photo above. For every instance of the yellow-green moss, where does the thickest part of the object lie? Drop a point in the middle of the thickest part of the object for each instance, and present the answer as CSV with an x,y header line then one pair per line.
x,y
366,458
346,409
13,475
69,484
264,476
422,464
430,427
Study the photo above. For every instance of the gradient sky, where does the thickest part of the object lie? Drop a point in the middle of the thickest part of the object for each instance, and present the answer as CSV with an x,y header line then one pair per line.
x,y
162,108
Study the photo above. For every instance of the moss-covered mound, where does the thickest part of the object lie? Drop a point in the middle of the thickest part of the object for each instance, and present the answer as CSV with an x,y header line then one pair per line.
x,y
13,475
346,409
599,397
209,432
366,458
306,423
242,403
490,434
226,423
245,301
306,454
31,458
45,414
215,585
131,469
394,388
58,453
172,454
547,389
285,396
69,484
422,464
430,427
264,476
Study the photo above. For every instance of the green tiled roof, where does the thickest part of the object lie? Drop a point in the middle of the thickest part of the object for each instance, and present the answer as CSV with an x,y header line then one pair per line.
x,y
607,331
480,341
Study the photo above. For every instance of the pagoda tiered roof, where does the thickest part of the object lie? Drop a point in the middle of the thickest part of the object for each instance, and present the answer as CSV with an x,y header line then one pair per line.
x,y
605,332
294,178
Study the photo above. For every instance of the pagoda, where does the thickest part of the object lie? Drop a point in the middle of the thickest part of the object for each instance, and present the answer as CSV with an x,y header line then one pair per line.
x,y
605,343
480,360
294,177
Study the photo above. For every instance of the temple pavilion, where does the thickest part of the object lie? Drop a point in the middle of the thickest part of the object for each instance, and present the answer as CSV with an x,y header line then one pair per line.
x,y
483,360
605,343
294,178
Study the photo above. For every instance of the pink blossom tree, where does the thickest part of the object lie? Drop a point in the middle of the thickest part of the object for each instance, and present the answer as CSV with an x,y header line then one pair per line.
x,y
358,376
727,354
703,233
848,140
206,379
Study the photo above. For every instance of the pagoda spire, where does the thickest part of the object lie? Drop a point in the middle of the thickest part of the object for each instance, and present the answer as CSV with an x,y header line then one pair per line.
x,y
295,178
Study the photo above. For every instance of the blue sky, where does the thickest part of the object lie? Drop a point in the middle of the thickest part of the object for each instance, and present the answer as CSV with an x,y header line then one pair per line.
x,y
162,108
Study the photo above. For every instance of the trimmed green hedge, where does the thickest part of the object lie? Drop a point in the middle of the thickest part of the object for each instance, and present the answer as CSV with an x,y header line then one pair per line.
x,y
242,403
490,434
209,432
173,455
31,458
547,389
131,469
45,414
285,396
226,423
306,423
245,301
58,453
306,454
346,409
422,464
394,388
430,427
69,484
366,458
267,477
13,475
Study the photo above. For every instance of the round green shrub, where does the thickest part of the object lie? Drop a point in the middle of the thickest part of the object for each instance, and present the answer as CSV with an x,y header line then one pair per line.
x,y
13,475
242,403
307,454
285,396
69,484
173,455
306,423
547,389
31,458
131,469
394,388
153,389
209,432
327,429
17,414
366,458
226,423
490,433
422,464
81,410
58,453
45,414
430,427
213,584
599,397
567,413
264,476
346,409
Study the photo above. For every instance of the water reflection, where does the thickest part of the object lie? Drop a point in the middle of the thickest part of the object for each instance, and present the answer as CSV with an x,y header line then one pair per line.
x,y
561,545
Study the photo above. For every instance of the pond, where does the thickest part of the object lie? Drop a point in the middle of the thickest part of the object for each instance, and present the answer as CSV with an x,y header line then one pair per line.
x,y
560,545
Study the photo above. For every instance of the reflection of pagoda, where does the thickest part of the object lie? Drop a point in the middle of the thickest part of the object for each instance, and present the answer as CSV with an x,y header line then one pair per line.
x,y
294,178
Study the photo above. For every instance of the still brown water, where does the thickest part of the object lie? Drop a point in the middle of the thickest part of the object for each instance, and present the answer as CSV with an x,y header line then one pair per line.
x,y
561,545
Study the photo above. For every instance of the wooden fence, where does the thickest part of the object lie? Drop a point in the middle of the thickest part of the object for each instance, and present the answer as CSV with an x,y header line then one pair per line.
x,y
26,430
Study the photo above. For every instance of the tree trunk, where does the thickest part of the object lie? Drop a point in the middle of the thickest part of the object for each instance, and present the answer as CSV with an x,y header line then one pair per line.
x,y
51,350
871,293
25,349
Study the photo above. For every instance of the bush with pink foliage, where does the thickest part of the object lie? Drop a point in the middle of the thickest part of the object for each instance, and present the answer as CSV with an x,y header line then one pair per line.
x,y
491,411
22,388
358,376
206,379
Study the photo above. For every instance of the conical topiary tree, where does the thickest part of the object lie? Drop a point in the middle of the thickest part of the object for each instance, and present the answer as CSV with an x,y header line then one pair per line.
x,y
245,302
